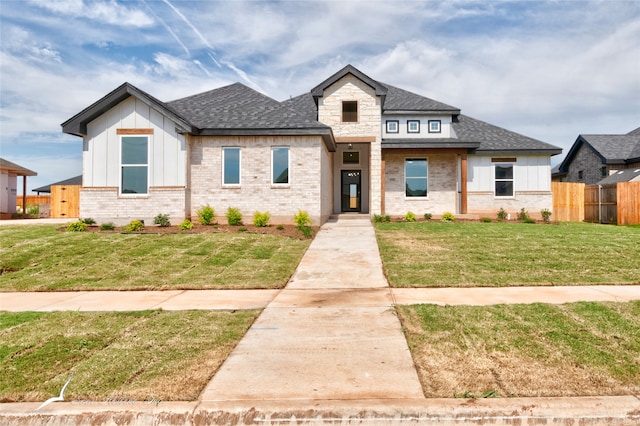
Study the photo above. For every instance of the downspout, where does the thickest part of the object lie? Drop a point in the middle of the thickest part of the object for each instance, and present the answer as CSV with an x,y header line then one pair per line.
x,y
599,203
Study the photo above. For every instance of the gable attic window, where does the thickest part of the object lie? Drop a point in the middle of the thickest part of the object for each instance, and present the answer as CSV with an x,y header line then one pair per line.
x,y
134,164
392,126
435,126
413,126
349,111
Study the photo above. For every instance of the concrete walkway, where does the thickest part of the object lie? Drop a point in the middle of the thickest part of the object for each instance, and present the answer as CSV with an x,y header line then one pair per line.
x,y
326,349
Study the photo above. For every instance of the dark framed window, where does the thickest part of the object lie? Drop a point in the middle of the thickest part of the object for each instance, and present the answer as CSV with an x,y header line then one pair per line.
x,y
231,166
603,171
580,174
349,111
280,166
415,177
350,157
393,126
413,126
134,164
435,126
503,180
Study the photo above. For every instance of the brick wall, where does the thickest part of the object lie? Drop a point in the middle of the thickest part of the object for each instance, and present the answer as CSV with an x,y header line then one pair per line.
x,y
485,204
103,204
587,161
441,185
256,193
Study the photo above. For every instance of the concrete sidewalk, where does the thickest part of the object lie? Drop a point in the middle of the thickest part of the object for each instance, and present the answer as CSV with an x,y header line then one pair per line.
x,y
326,349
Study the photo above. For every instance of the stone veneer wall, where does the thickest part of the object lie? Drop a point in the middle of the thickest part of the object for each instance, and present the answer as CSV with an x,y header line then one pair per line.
x,y
441,185
587,161
350,88
104,204
307,157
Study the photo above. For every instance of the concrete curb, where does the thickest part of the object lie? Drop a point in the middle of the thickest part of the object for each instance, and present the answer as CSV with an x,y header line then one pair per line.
x,y
615,410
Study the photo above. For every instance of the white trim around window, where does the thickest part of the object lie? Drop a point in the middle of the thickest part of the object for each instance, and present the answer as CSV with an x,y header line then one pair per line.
x,y
413,126
416,178
503,180
231,166
435,126
134,165
280,166
393,126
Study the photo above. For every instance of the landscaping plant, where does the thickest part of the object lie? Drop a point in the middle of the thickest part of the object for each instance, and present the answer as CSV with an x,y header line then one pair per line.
x,y
410,217
546,215
135,226
448,217
261,220
234,217
162,220
78,226
206,215
185,225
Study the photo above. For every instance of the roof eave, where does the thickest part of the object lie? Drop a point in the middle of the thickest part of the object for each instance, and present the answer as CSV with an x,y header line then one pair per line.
x,y
542,151
422,112
379,88
325,132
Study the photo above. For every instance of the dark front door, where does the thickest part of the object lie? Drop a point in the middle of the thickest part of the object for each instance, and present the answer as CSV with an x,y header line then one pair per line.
x,y
350,190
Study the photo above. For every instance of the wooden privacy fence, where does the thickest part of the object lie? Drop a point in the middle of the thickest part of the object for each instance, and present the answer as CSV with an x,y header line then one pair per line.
x,y
617,203
65,201
32,200
568,201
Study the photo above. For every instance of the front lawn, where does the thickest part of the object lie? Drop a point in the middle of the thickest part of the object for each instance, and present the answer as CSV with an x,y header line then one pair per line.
x,y
466,254
41,258
118,356
576,349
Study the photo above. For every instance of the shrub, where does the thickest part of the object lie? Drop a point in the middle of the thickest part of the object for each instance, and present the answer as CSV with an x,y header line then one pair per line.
x,y
427,216
33,209
529,220
109,226
88,221
302,218
410,217
206,215
485,219
448,217
377,218
261,220
502,215
162,220
242,229
135,226
234,217
185,225
280,227
546,215
78,226
523,215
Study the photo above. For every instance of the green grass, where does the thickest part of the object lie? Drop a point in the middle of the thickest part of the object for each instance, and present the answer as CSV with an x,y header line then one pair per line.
x,y
435,254
575,349
40,258
143,356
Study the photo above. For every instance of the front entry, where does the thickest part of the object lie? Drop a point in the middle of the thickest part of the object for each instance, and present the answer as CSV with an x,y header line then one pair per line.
x,y
351,190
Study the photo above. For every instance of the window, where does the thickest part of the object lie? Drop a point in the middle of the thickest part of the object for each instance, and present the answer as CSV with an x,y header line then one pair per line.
x,y
134,164
415,177
580,174
392,126
280,166
351,157
231,166
434,126
603,171
413,126
504,180
349,111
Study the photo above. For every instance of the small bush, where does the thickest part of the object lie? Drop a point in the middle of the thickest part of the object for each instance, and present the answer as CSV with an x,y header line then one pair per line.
x,y
242,229
427,216
523,215
88,221
280,227
448,217
546,215
502,215
185,225
410,217
377,218
485,219
206,215
234,217
261,220
78,226
529,220
109,226
33,209
302,218
162,220
135,226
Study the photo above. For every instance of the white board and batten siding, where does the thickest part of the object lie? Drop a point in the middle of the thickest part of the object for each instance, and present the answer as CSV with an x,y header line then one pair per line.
x,y
531,173
101,146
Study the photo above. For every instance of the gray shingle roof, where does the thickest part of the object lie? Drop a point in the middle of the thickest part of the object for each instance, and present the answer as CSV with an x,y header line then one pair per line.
x,y
240,107
615,148
626,175
76,180
402,100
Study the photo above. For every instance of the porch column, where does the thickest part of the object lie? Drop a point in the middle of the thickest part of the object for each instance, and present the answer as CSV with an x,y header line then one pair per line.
x,y
382,208
24,194
463,183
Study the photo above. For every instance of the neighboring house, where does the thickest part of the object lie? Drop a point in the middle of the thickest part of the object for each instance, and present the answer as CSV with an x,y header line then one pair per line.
x,y
64,201
9,173
351,144
593,158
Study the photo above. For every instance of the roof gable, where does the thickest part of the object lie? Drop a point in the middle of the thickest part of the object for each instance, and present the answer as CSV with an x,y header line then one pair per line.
x,y
77,125
612,149
380,89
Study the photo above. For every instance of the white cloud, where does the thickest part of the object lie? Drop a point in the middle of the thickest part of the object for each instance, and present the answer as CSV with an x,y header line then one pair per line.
x,y
108,12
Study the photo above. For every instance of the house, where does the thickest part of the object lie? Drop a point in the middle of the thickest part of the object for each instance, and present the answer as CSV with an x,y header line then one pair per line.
x,y
594,158
9,173
350,144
